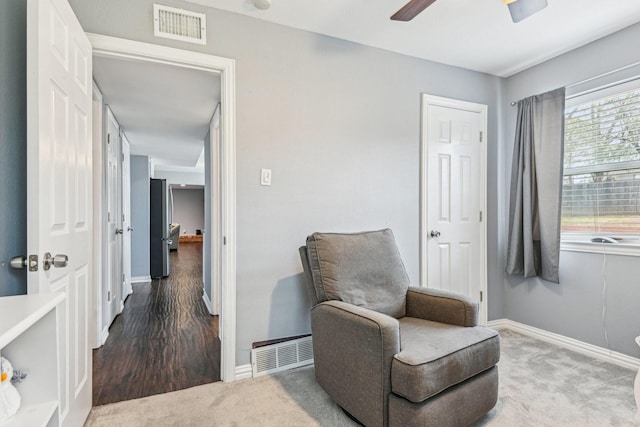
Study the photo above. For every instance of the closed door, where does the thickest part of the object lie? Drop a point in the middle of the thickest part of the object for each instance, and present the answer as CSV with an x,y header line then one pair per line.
x,y
126,217
59,179
111,293
453,227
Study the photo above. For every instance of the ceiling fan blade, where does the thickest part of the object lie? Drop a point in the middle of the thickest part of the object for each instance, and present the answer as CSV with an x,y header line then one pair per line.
x,y
411,10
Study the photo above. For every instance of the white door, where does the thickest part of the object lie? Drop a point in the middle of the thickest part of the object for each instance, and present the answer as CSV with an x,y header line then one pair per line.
x,y
453,234
59,181
215,234
126,217
111,293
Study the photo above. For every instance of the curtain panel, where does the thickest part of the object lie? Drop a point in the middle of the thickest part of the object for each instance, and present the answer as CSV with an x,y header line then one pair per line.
x,y
533,247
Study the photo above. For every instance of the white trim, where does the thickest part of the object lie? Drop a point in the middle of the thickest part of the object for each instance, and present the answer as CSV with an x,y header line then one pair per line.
x,y
243,372
601,248
581,347
104,335
138,51
140,279
482,109
207,302
99,233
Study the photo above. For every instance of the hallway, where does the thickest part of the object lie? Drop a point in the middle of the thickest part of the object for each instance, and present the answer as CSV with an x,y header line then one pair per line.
x,y
164,340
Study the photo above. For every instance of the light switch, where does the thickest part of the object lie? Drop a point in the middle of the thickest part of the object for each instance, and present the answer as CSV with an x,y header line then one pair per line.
x,y
265,176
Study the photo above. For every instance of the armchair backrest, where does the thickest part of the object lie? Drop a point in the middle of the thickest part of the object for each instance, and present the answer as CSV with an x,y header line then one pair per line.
x,y
364,269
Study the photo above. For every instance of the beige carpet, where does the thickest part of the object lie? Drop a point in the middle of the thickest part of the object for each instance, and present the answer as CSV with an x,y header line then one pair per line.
x,y
540,385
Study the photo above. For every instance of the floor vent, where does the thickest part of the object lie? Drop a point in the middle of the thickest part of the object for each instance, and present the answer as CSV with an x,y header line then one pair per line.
x,y
179,24
282,356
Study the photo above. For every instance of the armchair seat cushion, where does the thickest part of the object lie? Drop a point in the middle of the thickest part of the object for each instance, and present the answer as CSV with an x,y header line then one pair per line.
x,y
435,356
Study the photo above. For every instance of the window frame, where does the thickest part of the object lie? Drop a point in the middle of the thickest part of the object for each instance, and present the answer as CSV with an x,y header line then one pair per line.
x,y
581,241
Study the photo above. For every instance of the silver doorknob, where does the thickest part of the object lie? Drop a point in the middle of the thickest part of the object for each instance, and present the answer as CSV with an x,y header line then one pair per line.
x,y
435,233
18,262
58,261
119,231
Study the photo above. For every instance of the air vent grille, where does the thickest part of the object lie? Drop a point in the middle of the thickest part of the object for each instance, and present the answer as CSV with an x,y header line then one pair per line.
x,y
282,356
179,24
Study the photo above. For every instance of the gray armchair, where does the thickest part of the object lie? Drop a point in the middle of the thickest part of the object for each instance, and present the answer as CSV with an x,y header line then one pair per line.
x,y
390,354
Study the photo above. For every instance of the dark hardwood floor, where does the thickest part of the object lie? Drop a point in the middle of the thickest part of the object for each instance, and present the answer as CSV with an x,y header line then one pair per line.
x,y
164,340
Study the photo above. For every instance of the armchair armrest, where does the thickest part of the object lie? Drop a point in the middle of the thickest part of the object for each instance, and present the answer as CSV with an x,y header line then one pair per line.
x,y
353,348
441,306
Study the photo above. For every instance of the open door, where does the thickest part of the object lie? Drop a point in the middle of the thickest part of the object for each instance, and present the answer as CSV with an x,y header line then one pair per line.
x,y
59,183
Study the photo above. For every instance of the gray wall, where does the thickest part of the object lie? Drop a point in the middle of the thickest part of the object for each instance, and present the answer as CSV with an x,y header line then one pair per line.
x,y
188,209
140,216
13,148
574,307
339,124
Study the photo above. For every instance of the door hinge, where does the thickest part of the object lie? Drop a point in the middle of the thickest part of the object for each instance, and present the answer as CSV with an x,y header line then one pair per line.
x,y
122,277
108,216
108,295
480,216
122,217
480,136
108,138
224,240
122,157
481,296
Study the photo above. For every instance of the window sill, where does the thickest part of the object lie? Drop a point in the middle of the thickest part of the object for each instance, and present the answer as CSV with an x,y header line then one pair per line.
x,y
626,249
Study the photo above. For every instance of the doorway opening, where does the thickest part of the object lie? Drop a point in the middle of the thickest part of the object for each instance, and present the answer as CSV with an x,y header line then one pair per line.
x,y
110,49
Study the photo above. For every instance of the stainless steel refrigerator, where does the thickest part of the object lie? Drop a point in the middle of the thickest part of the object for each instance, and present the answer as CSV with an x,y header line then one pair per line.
x,y
159,229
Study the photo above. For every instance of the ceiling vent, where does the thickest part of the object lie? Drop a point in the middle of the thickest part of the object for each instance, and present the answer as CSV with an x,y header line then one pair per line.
x,y
179,24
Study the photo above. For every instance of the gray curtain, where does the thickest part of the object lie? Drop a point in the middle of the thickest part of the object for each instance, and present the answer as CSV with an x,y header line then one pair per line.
x,y
536,187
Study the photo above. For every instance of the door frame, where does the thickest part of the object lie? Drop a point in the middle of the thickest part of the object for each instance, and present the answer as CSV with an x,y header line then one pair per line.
x,y
99,205
225,68
427,100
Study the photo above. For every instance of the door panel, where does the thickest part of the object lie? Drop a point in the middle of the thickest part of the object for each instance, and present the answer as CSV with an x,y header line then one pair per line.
x,y
59,202
126,217
112,291
454,199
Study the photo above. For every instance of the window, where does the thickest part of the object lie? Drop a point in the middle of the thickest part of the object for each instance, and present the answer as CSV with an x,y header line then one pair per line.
x,y
601,184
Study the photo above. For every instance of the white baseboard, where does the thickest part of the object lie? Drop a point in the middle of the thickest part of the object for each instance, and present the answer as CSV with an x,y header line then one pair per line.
x,y
207,302
594,351
105,335
244,372
140,279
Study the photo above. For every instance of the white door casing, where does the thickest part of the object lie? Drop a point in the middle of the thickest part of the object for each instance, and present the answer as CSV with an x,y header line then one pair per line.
x,y
111,46
59,183
453,198
126,216
99,225
112,293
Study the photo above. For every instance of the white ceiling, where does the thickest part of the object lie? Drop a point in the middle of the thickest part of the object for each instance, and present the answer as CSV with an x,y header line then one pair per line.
x,y
164,110
473,34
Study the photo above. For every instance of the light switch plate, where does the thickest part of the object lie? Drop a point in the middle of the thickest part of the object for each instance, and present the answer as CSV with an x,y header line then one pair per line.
x,y
265,176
